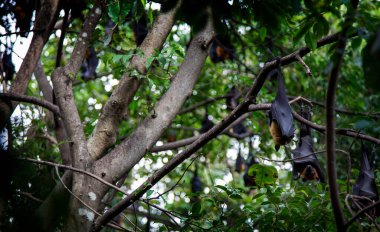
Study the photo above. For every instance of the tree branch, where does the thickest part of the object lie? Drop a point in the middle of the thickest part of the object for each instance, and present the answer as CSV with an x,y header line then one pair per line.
x,y
30,99
43,25
206,137
330,120
115,109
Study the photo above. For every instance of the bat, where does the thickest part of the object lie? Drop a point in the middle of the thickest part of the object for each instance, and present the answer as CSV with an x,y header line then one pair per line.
x,y
306,164
232,99
365,185
89,65
140,30
8,66
221,50
280,115
207,124
249,180
239,163
196,183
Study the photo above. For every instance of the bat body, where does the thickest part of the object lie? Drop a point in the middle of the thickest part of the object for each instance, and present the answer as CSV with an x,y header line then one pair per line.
x,y
306,164
221,50
207,124
280,115
240,163
248,179
89,65
140,30
365,185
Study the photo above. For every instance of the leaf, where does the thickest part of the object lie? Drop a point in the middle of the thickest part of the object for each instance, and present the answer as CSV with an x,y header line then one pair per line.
x,y
311,40
196,209
264,175
301,32
113,11
149,192
262,33
235,196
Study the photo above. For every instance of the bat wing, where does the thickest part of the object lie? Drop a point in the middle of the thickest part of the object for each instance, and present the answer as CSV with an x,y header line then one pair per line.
x,y
280,110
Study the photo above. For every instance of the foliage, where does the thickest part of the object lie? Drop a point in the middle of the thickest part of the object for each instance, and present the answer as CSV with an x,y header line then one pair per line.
x,y
259,31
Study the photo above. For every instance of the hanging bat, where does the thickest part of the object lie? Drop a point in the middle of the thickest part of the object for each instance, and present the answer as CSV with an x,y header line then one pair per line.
x,y
207,124
196,183
232,99
7,65
306,164
249,180
365,185
23,11
280,115
221,50
140,30
89,65
239,163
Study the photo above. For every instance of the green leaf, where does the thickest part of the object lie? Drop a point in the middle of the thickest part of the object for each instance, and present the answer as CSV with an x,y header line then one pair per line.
x,y
197,208
262,33
113,11
264,175
149,192
311,40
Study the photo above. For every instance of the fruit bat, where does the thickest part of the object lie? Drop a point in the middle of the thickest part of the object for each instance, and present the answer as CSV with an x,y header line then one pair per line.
x,y
89,65
221,50
171,136
280,115
365,185
196,183
140,30
305,165
23,11
239,163
8,67
207,124
232,99
239,129
249,180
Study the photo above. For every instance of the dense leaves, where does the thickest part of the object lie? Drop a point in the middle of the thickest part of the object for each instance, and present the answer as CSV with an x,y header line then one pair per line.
x,y
237,185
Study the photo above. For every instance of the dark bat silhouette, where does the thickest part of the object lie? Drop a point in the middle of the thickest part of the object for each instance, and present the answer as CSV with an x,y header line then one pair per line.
x,y
196,183
89,65
239,163
140,30
232,99
23,11
365,185
306,164
249,180
8,66
221,49
280,115
207,124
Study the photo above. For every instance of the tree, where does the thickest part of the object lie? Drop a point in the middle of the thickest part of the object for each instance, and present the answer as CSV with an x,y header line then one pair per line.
x,y
130,122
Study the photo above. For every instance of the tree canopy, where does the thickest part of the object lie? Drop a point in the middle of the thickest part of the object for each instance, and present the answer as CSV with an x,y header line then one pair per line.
x,y
185,115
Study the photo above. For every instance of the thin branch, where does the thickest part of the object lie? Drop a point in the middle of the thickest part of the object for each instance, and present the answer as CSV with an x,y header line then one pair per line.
x,y
375,115
29,195
75,170
202,103
307,69
30,99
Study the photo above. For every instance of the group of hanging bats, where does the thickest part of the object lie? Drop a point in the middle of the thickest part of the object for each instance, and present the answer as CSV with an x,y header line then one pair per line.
x,y
305,163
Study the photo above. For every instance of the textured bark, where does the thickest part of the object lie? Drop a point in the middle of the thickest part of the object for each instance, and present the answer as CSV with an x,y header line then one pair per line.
x,y
62,79
45,21
115,109
132,149
53,122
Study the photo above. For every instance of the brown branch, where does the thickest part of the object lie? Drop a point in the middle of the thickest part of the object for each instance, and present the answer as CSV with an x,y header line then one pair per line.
x,y
330,120
307,69
30,99
115,109
29,195
202,103
75,170
357,215
44,20
375,115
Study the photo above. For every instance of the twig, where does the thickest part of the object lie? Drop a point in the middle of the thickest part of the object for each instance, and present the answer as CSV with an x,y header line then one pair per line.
x,y
28,195
75,170
202,103
307,69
